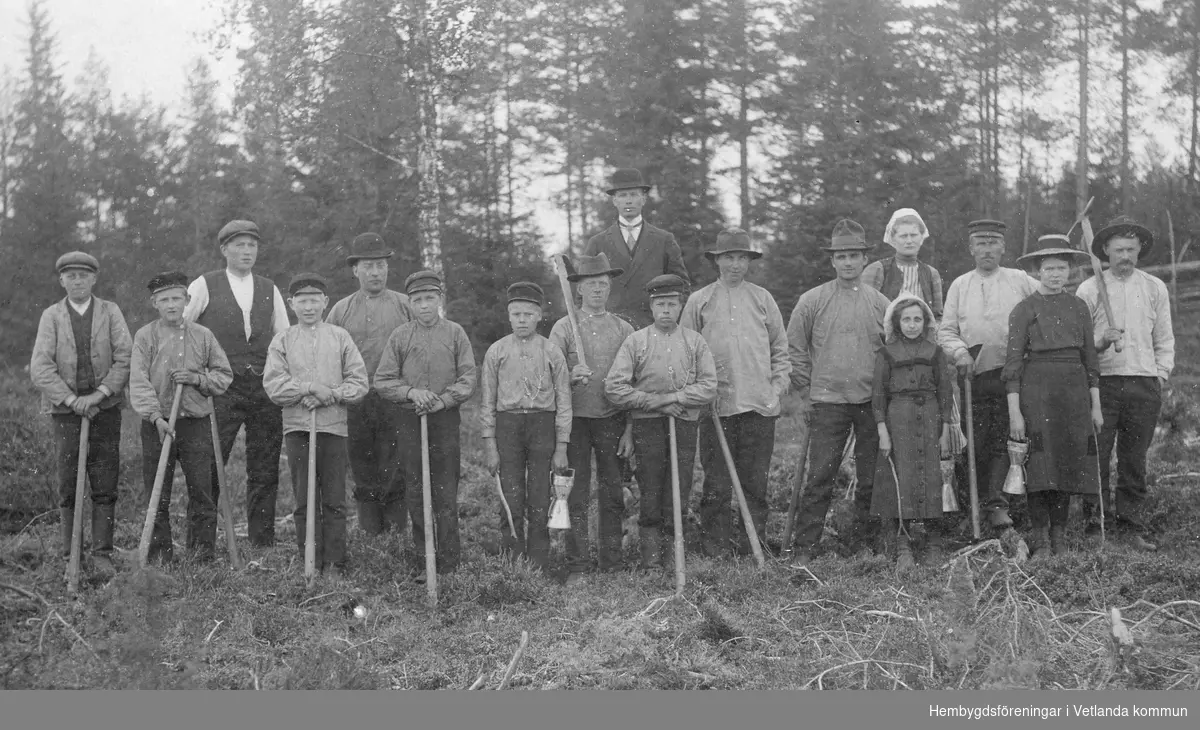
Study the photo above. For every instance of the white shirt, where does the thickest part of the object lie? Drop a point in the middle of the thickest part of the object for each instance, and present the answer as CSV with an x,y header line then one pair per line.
x,y
243,293
911,284
976,313
630,230
80,309
1142,307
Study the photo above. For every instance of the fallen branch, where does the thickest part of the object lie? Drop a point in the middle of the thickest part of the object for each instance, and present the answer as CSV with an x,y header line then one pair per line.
x,y
214,630
71,628
512,665
25,592
880,662
1181,475
811,574
478,683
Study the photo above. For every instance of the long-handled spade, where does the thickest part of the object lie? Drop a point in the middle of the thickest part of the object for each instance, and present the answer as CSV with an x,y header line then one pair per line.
x,y
80,490
797,488
310,514
156,491
680,570
751,530
235,560
427,497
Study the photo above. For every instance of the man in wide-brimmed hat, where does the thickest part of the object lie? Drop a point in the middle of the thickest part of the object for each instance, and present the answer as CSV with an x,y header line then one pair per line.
x,y
597,426
80,364
641,250
1131,381
976,316
370,315
744,329
834,332
244,311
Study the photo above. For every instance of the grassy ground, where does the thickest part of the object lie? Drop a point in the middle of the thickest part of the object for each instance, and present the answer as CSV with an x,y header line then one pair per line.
x,y
982,621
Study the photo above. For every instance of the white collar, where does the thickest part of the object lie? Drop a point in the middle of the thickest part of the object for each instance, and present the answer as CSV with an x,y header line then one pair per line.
x,y
231,275
635,223
80,309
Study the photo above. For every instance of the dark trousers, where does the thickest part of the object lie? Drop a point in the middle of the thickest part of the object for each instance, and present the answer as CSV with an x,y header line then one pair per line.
x,y
246,403
374,450
751,439
829,426
1130,406
103,457
989,412
330,530
443,482
651,443
192,447
601,436
1048,508
526,445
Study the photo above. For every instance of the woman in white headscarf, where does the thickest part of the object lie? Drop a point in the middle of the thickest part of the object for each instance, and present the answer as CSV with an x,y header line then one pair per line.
x,y
904,273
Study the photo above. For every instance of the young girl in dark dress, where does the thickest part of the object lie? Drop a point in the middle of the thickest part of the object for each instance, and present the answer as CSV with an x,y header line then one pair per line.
x,y
1052,377
911,402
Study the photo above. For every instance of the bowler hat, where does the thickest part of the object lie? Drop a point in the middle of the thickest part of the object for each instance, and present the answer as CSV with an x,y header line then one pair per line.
x,y
167,280
238,228
728,241
368,246
597,265
1123,226
626,178
307,283
77,260
526,291
986,228
423,281
1051,244
847,236
665,285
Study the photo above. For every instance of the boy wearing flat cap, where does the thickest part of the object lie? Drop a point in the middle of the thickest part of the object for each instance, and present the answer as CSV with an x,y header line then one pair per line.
x,y
244,311
314,366
525,420
662,370
171,351
743,327
370,315
80,364
428,368
833,335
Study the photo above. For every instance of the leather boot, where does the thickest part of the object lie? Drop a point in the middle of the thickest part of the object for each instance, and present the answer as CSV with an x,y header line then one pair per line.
x,y
370,517
934,555
904,556
66,519
395,516
1039,540
648,543
1058,540
102,537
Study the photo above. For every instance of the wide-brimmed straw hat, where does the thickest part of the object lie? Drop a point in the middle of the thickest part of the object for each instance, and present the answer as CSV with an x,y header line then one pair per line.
x,y
1051,244
1122,226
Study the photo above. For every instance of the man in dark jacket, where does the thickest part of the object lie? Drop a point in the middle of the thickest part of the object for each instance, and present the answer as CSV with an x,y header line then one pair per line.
x,y
639,248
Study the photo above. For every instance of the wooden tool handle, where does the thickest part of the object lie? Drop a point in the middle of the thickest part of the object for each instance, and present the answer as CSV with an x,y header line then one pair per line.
x,y
677,504
747,520
569,302
427,497
225,497
77,518
310,512
164,458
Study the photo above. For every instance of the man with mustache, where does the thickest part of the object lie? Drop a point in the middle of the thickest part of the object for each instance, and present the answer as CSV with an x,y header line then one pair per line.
x,y
976,315
244,311
1131,380
370,315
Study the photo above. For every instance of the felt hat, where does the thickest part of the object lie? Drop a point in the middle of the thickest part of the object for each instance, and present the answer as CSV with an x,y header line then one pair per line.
x,y
167,280
368,246
666,285
1051,244
238,228
847,236
424,280
77,260
1123,226
900,304
986,228
730,240
625,179
586,266
526,291
307,283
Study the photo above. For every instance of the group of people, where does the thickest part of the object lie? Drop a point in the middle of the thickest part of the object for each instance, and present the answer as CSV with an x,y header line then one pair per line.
x,y
878,353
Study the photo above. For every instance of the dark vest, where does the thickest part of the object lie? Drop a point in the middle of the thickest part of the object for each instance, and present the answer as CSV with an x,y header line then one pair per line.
x,y
224,317
893,279
81,327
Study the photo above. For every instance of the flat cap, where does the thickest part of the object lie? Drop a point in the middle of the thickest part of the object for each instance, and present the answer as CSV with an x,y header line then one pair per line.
x,y
423,281
77,260
167,280
307,283
368,246
238,228
986,228
526,291
848,235
666,285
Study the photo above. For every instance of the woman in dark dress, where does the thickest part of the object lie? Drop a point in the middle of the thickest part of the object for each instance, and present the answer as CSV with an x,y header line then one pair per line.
x,y
911,403
1052,377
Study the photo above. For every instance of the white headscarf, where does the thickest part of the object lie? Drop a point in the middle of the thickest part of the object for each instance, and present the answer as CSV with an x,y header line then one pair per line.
x,y
903,213
899,304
